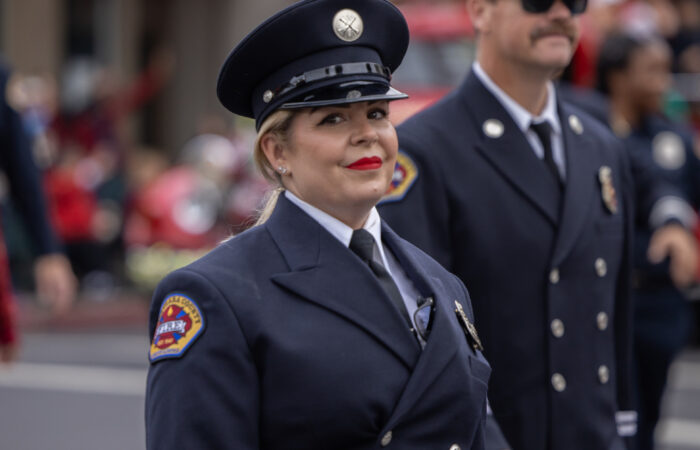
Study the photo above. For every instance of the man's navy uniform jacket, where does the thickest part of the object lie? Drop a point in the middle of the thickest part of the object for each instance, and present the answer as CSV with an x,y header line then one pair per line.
x,y
547,269
298,347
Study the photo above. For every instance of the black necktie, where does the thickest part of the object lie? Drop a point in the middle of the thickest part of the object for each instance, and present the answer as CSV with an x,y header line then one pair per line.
x,y
364,246
544,132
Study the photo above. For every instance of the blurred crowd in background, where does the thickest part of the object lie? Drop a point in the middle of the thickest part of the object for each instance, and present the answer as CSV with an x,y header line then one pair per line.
x,y
128,211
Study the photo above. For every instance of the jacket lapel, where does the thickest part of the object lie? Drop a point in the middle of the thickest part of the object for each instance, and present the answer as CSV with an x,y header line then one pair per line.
x,y
581,183
510,152
325,272
442,343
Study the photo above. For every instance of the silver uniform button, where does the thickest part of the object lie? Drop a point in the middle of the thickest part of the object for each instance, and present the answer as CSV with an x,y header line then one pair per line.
x,y
601,267
603,374
267,96
455,447
554,276
558,382
602,321
386,439
557,328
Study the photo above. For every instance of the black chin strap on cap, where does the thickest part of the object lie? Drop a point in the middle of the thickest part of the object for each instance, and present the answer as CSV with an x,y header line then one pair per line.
x,y
335,70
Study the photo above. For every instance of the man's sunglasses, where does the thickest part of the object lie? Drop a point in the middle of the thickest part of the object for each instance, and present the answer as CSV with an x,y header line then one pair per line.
x,y
540,6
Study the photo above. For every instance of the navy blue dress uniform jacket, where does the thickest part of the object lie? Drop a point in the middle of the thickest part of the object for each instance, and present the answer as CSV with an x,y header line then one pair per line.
x,y
547,270
301,349
669,147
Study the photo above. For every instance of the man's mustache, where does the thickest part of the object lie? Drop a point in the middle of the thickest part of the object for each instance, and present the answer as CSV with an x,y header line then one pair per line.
x,y
560,28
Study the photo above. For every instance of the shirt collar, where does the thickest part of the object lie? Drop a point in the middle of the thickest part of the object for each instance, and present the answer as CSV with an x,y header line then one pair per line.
x,y
521,116
335,227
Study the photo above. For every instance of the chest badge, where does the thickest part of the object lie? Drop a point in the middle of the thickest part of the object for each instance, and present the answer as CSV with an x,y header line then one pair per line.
x,y
607,190
468,328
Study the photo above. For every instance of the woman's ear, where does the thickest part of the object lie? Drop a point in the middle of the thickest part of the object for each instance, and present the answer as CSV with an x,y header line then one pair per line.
x,y
275,151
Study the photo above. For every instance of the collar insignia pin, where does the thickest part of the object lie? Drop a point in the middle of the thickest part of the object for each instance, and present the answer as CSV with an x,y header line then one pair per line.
x,y
575,124
493,128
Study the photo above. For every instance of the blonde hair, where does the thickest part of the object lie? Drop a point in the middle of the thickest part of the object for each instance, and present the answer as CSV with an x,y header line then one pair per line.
x,y
278,123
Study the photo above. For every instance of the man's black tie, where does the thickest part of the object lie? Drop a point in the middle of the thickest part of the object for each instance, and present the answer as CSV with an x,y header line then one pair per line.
x,y
544,132
364,246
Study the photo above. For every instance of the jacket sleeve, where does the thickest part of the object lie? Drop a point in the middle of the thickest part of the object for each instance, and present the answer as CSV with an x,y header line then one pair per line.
x,y
421,213
23,176
624,312
657,201
207,397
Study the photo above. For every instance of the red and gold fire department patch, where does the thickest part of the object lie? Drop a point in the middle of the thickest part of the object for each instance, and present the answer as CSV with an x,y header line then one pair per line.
x,y
405,174
180,323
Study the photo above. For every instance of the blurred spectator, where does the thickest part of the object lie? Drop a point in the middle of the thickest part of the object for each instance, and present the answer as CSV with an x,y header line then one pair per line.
x,y
601,18
635,73
177,213
86,181
55,282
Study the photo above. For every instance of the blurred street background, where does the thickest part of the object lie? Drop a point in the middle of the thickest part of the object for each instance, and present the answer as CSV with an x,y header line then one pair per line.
x,y
144,171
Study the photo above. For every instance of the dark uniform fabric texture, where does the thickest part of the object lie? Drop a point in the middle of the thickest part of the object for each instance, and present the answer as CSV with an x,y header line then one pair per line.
x,y
663,317
23,177
23,180
547,268
303,349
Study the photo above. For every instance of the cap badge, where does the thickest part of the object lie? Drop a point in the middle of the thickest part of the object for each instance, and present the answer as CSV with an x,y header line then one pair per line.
x,y
347,25
575,124
607,190
493,128
352,95
668,150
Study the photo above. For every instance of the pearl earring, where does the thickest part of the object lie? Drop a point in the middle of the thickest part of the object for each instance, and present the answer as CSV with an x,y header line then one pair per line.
x,y
282,170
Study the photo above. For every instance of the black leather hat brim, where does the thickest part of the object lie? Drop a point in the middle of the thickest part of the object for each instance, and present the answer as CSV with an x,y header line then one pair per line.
x,y
340,95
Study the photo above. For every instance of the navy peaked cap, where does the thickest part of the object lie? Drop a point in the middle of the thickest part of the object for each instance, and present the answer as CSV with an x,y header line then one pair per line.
x,y
315,53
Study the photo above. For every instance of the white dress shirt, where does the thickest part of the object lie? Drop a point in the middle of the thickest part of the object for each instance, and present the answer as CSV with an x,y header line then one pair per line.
x,y
524,119
373,224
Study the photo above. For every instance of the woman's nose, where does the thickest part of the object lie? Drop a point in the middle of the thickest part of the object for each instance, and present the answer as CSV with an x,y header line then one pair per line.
x,y
364,133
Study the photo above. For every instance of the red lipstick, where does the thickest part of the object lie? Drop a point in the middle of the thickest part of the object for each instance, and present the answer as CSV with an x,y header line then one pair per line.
x,y
372,163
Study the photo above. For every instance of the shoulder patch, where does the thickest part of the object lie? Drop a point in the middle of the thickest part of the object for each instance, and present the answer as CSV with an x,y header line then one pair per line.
x,y
405,174
180,322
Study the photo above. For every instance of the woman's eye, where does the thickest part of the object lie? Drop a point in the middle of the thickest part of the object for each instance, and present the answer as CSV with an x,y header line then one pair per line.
x,y
331,119
378,114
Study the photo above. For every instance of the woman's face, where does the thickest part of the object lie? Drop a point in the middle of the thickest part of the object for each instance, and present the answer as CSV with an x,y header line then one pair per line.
x,y
340,158
648,77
